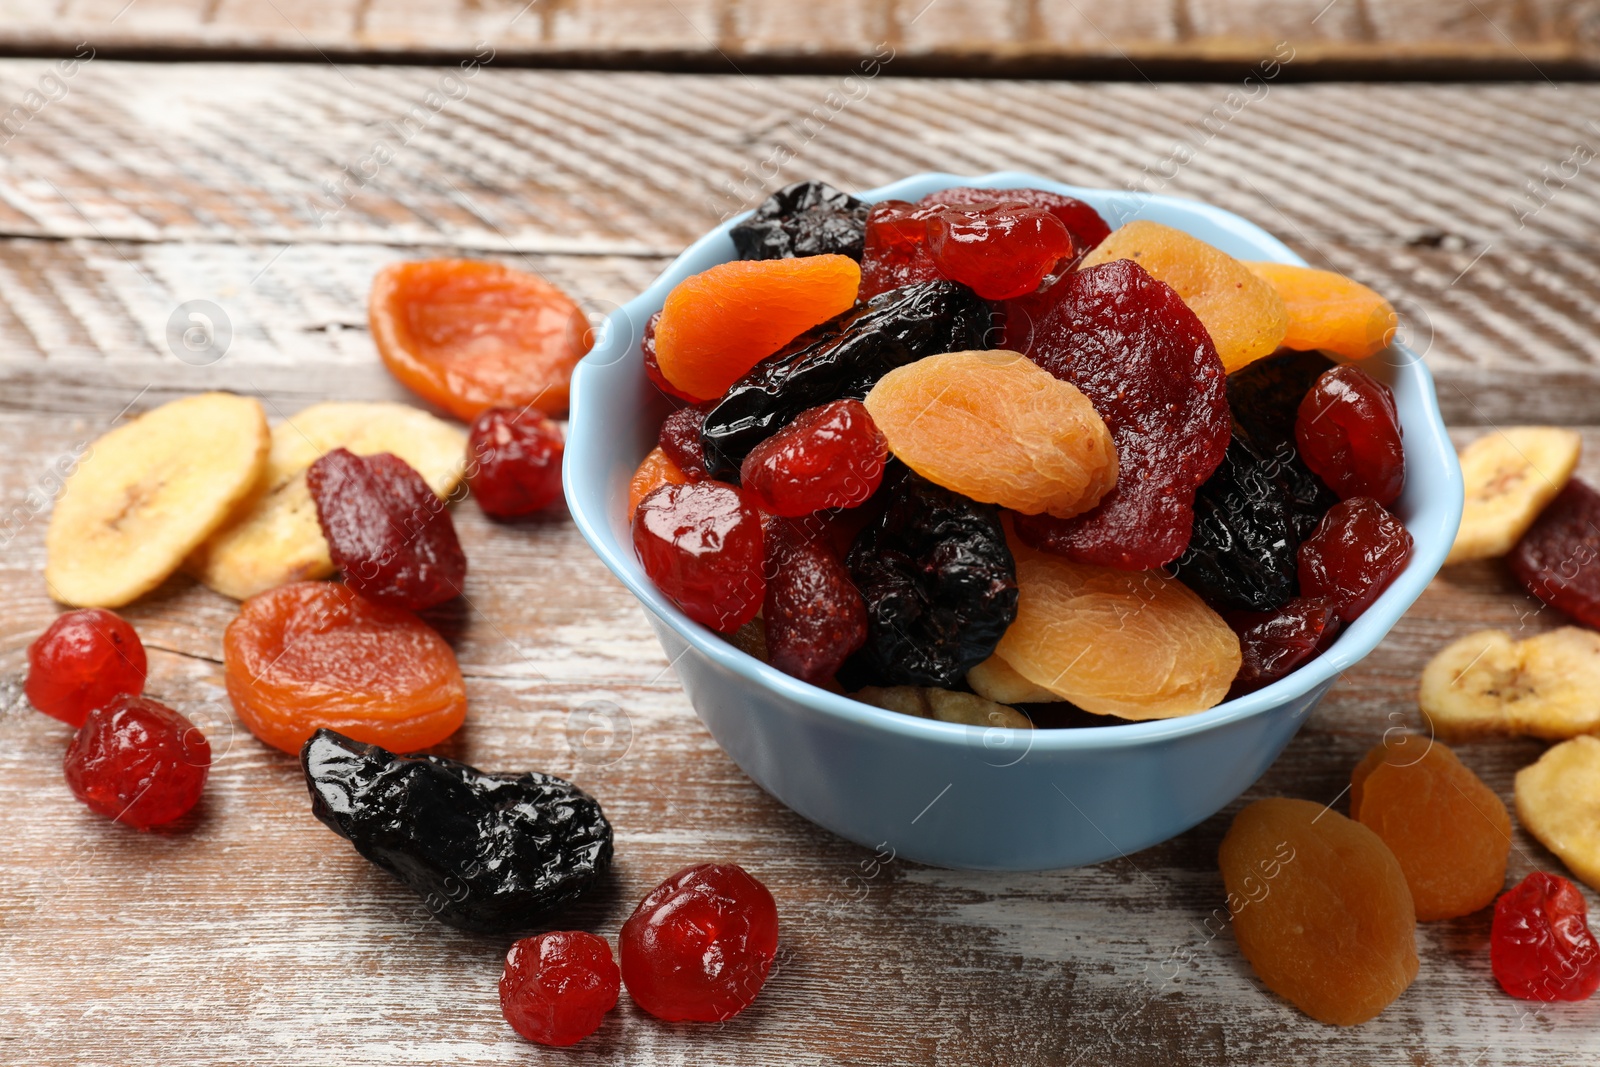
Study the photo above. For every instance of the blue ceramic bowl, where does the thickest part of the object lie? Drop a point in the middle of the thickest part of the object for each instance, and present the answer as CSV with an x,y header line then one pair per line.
x,y
963,796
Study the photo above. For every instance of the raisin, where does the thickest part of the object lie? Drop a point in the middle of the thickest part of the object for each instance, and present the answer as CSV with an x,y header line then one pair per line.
x,y
1083,222
389,533
1147,365
656,469
718,324
557,987
83,660
680,440
939,584
1449,831
514,462
699,947
1558,559
804,219
1242,550
1272,644
1540,947
701,543
895,253
487,852
1357,550
842,358
1330,311
1115,642
652,366
1265,400
1349,433
1320,909
995,427
137,761
312,654
830,456
814,616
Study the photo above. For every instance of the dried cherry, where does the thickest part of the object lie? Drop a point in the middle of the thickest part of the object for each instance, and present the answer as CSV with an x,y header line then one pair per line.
x,y
1275,643
1265,400
1242,551
830,456
557,987
804,219
1540,946
701,544
680,439
1558,559
1083,222
1000,248
137,761
814,616
83,660
1349,433
895,252
514,465
1357,550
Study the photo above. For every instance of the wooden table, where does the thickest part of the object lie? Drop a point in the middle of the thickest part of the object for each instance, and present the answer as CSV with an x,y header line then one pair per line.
x,y
253,935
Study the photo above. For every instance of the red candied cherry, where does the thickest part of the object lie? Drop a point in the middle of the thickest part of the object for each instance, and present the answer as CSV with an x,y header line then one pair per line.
x,y
814,614
557,987
514,462
701,544
1356,551
1000,250
680,439
82,661
830,456
699,947
1349,434
137,761
1540,947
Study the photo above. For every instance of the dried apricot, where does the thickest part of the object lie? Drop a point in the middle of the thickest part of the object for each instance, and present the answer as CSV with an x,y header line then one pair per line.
x,y
1244,315
1136,644
718,324
657,469
1330,312
1449,831
469,336
998,428
1320,908
315,654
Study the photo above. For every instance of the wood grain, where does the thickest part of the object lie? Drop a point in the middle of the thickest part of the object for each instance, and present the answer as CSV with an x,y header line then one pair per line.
x,y
252,934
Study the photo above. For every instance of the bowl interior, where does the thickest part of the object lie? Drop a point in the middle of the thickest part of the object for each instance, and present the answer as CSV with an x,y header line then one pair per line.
x,y
616,413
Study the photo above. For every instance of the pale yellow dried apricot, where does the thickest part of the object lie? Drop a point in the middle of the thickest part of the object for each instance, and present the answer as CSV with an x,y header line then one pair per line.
x,y
1329,311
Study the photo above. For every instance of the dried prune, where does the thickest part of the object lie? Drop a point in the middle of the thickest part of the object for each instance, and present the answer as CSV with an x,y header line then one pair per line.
x,y
939,583
701,544
487,852
1147,364
1274,643
83,660
1242,552
895,253
1540,946
1265,400
814,616
804,219
1558,559
387,531
844,357
1357,550
680,440
830,456
1349,433
514,462
1083,222
136,761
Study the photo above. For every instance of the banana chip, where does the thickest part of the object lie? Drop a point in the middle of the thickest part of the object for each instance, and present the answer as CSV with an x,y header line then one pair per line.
x,y
1558,800
147,493
995,679
1487,683
1511,475
275,538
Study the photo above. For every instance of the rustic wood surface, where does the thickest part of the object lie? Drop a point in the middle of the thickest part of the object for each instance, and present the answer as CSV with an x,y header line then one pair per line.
x,y
253,935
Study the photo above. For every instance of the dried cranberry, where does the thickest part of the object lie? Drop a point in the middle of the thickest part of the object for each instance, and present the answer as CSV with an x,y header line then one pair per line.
x,y
896,250
137,761
81,662
1558,559
815,617
387,531
1540,947
1275,643
1349,433
1147,364
557,987
701,544
830,456
700,945
680,439
998,250
514,462
1357,550
1083,222
652,368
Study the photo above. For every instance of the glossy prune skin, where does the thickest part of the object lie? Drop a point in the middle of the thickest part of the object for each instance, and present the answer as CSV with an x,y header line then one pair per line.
x,y
492,853
1242,552
843,357
804,219
940,586
1558,559
1265,400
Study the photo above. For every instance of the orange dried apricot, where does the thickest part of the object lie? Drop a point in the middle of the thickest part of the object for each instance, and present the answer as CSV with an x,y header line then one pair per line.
x,y
1136,644
718,324
313,654
998,428
1329,311
1449,831
1244,315
469,336
1320,909
657,469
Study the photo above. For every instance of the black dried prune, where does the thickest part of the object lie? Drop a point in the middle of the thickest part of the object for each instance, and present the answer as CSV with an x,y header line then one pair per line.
x,y
939,583
1265,398
843,357
486,852
803,219
1242,549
